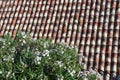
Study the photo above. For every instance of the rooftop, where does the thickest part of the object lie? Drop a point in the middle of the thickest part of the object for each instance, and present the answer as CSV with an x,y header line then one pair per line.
x,y
92,25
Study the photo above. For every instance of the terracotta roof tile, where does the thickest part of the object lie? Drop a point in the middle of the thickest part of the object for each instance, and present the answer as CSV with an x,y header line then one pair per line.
x,y
92,25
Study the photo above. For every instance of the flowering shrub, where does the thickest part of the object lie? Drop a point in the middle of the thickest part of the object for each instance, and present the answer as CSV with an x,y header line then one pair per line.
x,y
26,59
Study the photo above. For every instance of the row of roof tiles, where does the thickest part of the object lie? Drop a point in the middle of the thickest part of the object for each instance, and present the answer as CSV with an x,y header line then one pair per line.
x,y
92,25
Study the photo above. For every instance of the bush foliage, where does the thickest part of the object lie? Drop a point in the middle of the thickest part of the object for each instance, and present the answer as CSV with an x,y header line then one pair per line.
x,y
27,59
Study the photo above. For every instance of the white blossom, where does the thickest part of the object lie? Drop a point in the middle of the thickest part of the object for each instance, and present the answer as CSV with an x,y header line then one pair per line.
x,y
60,63
28,49
72,73
61,78
23,33
9,43
46,45
24,42
3,46
38,53
8,74
13,50
38,59
45,53
8,58
85,78
62,52
91,71
0,72
24,78
1,40
80,74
